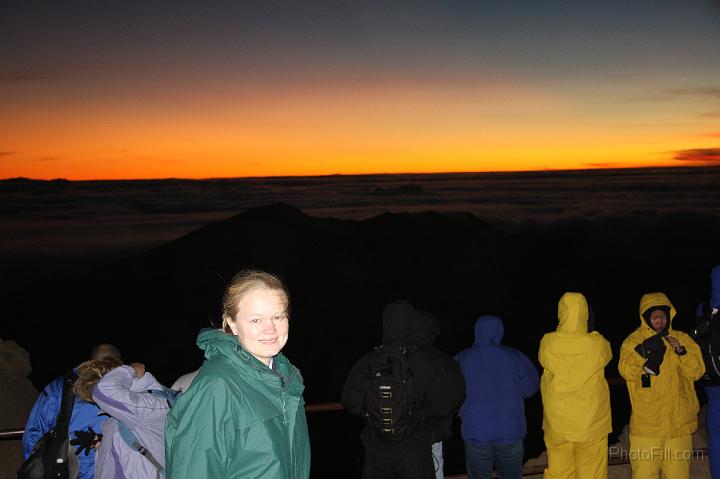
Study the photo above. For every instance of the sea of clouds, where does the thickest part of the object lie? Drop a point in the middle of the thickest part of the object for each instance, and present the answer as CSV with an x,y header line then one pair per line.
x,y
67,226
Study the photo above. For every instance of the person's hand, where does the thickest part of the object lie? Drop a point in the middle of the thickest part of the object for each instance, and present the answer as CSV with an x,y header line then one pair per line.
x,y
86,440
139,369
675,344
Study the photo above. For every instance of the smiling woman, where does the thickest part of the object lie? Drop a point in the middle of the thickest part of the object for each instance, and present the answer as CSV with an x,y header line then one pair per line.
x,y
243,416
255,309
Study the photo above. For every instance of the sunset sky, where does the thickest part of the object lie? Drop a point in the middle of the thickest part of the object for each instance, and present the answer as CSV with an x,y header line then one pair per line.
x,y
150,89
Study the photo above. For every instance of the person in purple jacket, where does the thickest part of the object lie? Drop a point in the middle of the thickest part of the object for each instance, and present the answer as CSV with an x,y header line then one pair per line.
x,y
498,379
123,394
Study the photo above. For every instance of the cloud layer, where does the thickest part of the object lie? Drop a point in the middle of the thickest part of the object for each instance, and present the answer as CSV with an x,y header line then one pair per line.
x,y
115,215
699,155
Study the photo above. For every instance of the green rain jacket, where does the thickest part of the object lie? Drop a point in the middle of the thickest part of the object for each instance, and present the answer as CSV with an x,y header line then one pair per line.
x,y
239,419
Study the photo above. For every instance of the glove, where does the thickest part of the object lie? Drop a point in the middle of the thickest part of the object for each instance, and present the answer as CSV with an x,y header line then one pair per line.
x,y
653,344
652,364
653,350
86,440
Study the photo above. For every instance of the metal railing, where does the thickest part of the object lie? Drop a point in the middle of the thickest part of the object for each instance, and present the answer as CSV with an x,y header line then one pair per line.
x,y
10,434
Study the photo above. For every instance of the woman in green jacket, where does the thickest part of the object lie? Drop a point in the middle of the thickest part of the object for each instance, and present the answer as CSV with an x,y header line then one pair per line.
x,y
243,415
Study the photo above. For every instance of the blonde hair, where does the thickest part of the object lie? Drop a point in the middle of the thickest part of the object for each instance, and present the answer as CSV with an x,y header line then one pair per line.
x,y
89,373
244,282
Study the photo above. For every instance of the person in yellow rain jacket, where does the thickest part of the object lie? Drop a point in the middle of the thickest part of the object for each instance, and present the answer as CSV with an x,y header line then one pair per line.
x,y
575,394
660,365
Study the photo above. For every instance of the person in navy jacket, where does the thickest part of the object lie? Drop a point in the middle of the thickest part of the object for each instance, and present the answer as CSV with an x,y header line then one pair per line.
x,y
498,379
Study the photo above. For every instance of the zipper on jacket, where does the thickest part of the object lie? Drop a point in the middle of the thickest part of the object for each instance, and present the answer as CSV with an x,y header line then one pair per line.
x,y
284,409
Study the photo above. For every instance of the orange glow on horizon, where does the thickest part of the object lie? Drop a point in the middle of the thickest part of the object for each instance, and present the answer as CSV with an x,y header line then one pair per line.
x,y
220,169
245,131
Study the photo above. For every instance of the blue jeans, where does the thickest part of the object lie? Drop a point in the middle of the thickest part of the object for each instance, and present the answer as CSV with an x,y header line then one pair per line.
x,y
507,459
713,428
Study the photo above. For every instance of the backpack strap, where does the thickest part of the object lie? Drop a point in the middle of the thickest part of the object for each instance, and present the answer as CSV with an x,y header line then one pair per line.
x,y
170,395
61,430
134,444
704,323
62,422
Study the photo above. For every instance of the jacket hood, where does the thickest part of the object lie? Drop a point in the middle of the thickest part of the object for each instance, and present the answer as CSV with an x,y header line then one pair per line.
x,y
655,300
715,282
216,341
397,322
425,330
488,330
572,313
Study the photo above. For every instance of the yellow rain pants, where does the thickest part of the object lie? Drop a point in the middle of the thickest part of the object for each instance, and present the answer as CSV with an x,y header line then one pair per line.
x,y
648,456
576,460
575,395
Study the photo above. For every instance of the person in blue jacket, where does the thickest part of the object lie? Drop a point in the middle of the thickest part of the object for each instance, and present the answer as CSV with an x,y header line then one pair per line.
x,y
85,416
498,379
707,335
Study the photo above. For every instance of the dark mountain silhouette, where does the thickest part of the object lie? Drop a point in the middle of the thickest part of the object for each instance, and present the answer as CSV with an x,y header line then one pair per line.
x,y
342,272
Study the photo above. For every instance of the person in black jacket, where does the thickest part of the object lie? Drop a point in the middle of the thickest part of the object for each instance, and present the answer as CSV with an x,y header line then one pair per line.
x,y
425,331
438,391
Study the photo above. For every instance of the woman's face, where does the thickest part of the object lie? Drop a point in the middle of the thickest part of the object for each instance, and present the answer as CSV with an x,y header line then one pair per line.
x,y
658,319
261,323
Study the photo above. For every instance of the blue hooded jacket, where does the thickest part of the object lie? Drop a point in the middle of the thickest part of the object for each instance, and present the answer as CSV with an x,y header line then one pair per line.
x,y
498,379
42,419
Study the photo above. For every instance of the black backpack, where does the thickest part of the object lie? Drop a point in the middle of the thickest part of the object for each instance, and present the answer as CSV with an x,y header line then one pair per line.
x,y
390,393
707,336
52,456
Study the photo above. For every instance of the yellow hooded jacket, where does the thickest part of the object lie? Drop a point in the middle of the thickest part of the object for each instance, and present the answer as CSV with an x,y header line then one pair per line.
x,y
669,407
575,395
